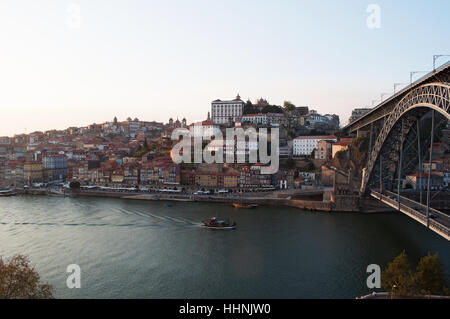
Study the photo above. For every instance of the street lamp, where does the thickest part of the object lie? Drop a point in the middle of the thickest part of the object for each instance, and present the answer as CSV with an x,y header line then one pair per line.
x,y
435,57
393,291
398,84
412,73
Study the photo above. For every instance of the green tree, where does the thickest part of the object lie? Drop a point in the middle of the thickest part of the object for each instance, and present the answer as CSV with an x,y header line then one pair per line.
x,y
271,109
429,277
18,280
397,277
249,108
288,106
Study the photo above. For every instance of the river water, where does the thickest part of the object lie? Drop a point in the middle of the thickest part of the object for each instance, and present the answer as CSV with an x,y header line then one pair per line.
x,y
141,249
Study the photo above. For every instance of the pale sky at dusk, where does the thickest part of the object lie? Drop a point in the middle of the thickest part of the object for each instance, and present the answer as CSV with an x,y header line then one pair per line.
x,y
159,59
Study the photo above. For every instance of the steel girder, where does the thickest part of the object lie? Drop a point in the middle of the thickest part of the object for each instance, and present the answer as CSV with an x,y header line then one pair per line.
x,y
414,105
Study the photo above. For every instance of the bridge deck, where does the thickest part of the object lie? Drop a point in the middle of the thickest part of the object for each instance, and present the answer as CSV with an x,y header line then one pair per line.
x,y
385,107
438,222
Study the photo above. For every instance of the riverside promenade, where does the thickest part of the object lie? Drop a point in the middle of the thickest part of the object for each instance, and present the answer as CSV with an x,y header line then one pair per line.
x,y
312,199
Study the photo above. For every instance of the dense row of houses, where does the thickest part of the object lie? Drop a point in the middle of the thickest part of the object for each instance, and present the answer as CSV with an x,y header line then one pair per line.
x,y
48,168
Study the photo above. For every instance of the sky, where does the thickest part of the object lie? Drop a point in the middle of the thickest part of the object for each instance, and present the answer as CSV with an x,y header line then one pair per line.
x,y
76,62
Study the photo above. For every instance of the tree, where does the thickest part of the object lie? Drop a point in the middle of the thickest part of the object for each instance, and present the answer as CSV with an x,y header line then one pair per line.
x,y
18,280
249,108
397,278
288,106
429,277
271,109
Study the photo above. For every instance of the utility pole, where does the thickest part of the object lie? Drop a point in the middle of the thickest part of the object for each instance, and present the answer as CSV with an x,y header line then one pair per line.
x,y
400,167
419,150
435,57
411,74
429,169
381,174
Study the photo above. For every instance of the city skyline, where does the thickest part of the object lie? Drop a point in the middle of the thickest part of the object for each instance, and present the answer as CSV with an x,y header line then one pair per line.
x,y
174,58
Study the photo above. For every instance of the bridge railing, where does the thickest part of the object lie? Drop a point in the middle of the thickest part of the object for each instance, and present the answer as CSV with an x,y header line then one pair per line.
x,y
412,202
433,224
440,227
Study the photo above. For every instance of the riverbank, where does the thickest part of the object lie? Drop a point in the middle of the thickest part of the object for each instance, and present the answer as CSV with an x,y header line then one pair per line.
x,y
367,205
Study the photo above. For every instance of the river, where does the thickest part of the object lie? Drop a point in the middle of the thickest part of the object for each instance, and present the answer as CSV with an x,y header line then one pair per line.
x,y
143,249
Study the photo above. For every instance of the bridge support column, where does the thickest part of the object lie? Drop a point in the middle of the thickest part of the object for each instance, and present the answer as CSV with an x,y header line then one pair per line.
x,y
430,169
370,141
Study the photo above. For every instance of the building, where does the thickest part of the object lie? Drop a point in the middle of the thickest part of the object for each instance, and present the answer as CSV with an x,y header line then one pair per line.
x,y
420,181
340,146
265,119
204,129
251,177
304,145
324,150
55,167
33,172
257,119
223,112
357,113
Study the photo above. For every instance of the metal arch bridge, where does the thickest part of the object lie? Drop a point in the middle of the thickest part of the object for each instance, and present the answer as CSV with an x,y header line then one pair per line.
x,y
384,109
395,146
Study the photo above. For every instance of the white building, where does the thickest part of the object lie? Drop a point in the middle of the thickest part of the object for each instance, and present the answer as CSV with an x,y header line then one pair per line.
x,y
222,111
259,118
265,119
357,113
204,129
304,145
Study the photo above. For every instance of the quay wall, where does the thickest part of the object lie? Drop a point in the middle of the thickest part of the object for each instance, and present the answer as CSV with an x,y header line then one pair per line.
x,y
312,205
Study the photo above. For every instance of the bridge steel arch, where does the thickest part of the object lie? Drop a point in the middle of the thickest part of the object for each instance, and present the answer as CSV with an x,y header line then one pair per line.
x,y
431,96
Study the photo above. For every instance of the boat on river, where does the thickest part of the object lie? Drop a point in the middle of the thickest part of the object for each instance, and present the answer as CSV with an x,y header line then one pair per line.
x,y
245,206
219,224
7,192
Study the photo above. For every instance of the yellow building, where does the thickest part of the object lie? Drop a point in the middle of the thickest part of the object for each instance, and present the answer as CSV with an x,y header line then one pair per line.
x,y
230,181
33,172
206,180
